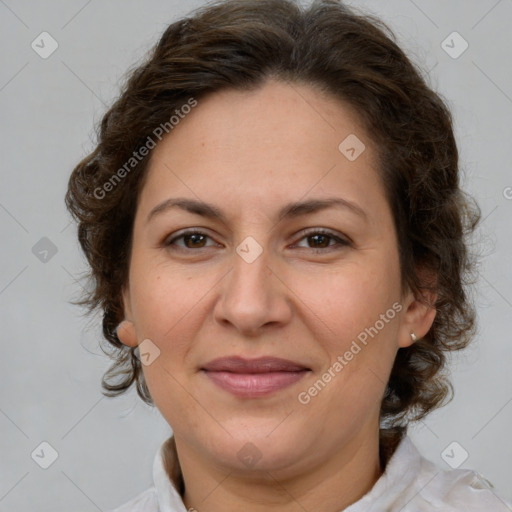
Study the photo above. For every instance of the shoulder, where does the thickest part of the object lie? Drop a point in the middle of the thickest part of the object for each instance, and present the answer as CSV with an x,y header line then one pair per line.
x,y
146,501
450,490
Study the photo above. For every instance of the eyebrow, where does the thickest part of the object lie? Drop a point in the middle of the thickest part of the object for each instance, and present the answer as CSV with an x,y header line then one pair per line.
x,y
289,211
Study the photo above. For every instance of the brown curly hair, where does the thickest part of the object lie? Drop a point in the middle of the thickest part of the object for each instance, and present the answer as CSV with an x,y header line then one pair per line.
x,y
354,57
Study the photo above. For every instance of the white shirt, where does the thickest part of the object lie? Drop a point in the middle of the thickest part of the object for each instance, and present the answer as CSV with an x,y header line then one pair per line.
x,y
410,483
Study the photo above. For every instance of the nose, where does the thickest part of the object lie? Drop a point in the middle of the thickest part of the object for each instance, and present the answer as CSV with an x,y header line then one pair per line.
x,y
254,296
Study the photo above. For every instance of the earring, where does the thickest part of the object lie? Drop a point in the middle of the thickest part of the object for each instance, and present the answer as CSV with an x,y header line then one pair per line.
x,y
414,337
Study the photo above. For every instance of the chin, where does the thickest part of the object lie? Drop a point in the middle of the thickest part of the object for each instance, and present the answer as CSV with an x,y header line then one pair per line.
x,y
259,451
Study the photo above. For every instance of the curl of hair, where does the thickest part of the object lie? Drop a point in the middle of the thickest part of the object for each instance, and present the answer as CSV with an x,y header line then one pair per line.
x,y
351,56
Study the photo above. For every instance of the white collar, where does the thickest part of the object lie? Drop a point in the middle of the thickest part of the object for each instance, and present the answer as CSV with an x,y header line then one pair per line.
x,y
410,483
169,499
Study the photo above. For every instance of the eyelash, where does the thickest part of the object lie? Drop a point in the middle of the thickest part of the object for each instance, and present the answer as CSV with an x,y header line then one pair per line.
x,y
341,242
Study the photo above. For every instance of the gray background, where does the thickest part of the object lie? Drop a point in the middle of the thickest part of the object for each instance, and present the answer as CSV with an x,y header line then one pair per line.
x,y
51,364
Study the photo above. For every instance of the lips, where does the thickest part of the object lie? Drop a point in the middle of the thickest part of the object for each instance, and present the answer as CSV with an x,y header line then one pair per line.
x,y
239,364
252,378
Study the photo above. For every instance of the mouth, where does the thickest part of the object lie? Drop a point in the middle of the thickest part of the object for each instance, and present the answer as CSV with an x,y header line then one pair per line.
x,y
252,378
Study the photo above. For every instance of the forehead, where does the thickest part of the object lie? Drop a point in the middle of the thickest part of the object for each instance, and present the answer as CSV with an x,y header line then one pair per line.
x,y
279,142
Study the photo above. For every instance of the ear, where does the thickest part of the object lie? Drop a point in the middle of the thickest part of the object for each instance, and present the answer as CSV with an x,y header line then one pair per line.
x,y
419,316
126,329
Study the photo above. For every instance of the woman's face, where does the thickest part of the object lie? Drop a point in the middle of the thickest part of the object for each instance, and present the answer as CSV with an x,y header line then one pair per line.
x,y
319,287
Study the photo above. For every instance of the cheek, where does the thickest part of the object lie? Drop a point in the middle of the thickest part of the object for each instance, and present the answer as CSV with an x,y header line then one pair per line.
x,y
165,304
167,310
355,317
346,301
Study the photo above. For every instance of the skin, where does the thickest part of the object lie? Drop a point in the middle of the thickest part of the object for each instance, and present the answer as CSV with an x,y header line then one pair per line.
x,y
303,298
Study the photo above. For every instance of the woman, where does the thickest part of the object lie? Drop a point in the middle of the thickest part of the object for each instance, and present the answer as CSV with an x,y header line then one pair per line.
x,y
277,241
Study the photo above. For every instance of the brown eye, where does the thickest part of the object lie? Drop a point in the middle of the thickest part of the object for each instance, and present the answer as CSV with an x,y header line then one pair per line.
x,y
321,239
191,240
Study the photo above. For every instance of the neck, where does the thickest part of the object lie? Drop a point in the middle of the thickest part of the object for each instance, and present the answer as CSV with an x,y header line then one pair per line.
x,y
329,487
